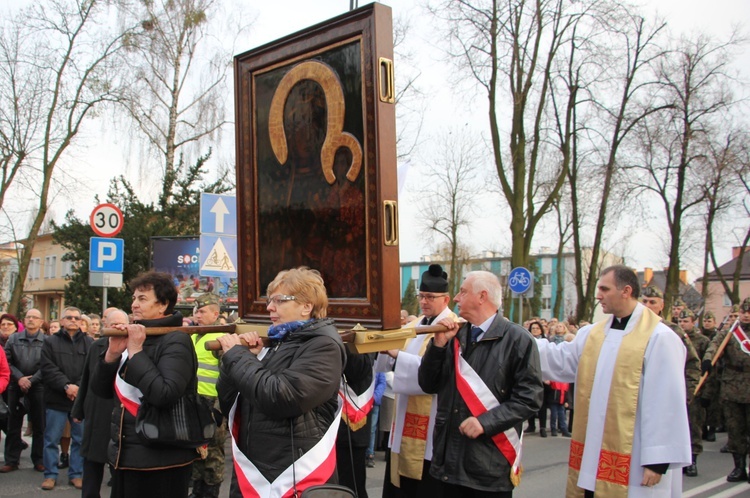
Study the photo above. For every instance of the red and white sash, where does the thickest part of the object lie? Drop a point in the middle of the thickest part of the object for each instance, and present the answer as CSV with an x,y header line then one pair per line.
x,y
479,400
357,407
130,396
313,468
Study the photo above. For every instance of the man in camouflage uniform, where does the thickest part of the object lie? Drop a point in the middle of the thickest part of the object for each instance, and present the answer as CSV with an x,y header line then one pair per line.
x,y
697,407
653,299
735,390
677,306
711,389
208,473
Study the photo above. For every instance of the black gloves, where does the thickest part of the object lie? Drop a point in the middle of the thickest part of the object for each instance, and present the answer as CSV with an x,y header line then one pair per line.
x,y
706,367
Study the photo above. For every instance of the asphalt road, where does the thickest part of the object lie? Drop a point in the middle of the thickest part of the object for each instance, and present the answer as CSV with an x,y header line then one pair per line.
x,y
544,461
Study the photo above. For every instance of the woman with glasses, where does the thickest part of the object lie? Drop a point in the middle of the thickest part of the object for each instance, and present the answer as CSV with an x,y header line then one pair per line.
x,y
282,401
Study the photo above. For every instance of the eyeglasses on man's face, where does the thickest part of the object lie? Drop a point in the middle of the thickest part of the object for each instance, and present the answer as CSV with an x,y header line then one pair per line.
x,y
429,297
280,299
70,317
32,317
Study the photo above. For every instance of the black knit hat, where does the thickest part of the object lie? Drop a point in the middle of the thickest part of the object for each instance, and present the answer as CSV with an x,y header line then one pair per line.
x,y
434,280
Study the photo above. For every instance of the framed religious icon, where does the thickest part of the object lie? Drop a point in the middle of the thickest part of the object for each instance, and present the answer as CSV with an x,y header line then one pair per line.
x,y
316,167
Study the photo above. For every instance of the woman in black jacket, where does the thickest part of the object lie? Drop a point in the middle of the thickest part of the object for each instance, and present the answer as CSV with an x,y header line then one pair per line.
x,y
284,397
159,369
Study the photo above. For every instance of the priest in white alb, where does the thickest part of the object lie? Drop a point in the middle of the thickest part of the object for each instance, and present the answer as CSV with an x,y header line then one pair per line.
x,y
630,433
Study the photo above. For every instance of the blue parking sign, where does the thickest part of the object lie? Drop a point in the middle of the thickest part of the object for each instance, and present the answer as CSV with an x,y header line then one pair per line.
x,y
106,255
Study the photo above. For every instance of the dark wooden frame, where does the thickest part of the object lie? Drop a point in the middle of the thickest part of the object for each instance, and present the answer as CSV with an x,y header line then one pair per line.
x,y
379,307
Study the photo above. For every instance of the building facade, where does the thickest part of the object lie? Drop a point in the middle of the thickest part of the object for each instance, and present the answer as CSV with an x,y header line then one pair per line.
x,y
554,276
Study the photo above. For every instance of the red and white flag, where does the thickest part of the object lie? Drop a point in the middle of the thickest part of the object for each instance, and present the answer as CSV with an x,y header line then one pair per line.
x,y
357,407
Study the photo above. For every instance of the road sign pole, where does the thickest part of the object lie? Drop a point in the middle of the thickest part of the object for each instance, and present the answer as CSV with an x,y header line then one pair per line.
x,y
520,309
104,302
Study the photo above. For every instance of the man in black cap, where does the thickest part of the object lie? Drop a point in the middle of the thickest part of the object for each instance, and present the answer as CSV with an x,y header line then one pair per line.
x,y
407,471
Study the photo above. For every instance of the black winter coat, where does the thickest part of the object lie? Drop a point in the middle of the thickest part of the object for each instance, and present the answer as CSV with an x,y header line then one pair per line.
x,y
95,410
507,360
164,372
295,384
24,354
62,363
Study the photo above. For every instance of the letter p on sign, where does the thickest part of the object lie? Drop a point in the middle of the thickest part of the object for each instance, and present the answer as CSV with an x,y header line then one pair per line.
x,y
106,255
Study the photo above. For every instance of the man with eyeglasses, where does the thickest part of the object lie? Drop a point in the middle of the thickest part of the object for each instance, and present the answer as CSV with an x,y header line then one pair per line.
x,y
24,352
407,471
63,360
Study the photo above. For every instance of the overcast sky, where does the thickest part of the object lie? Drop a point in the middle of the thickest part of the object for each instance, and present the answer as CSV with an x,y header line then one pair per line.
x,y
279,18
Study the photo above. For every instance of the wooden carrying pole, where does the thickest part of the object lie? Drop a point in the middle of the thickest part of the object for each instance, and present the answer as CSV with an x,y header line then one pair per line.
x,y
362,341
718,354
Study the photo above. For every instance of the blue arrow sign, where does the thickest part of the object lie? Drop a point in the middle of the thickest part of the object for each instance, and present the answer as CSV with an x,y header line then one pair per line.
x,y
218,214
106,255
519,280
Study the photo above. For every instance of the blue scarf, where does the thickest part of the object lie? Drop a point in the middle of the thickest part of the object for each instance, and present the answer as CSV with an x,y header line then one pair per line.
x,y
276,333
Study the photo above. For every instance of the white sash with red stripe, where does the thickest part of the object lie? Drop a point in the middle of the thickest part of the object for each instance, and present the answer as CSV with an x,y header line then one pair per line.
x,y
479,399
357,407
741,337
313,468
130,396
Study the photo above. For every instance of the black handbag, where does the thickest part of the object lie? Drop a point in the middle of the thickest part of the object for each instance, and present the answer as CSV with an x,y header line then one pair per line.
x,y
188,423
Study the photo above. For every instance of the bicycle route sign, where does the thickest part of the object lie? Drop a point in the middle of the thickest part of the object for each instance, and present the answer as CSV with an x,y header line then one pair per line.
x,y
519,280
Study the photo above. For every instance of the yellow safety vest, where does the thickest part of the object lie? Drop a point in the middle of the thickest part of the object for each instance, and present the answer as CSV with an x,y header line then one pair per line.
x,y
208,365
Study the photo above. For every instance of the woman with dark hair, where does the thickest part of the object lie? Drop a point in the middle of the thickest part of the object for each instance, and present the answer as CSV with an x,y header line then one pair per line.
x,y
282,402
8,325
159,369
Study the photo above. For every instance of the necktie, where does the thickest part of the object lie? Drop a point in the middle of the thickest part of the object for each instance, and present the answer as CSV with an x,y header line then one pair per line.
x,y
475,332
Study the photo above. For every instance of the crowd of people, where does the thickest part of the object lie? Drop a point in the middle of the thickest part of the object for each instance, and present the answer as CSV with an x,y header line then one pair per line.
x,y
303,414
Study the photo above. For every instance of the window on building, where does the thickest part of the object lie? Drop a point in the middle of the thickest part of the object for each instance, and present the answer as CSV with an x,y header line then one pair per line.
x,y
50,267
34,268
546,303
67,269
727,300
546,278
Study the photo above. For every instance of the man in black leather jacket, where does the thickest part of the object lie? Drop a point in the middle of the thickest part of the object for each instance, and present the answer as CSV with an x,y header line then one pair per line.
x,y
24,353
503,355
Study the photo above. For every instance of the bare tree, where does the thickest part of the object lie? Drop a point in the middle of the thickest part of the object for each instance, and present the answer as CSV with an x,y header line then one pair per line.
x,y
69,50
727,192
508,49
177,95
448,196
631,48
694,81
21,92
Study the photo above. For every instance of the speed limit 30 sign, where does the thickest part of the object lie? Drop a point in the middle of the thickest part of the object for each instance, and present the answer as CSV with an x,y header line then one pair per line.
x,y
106,220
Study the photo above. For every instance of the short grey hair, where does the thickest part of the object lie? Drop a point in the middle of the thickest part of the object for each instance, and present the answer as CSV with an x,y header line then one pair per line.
x,y
111,315
487,281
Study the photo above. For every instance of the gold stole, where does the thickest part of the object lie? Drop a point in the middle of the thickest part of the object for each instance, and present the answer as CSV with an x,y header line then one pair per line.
x,y
613,471
410,461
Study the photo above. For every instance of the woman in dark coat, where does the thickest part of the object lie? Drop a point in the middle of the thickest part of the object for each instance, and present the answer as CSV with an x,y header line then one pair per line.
x,y
159,369
289,390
